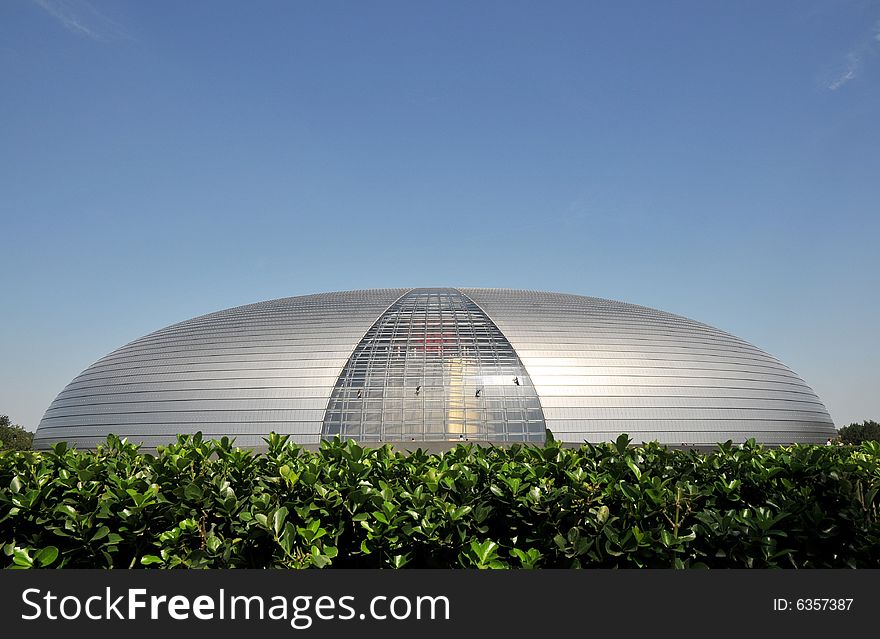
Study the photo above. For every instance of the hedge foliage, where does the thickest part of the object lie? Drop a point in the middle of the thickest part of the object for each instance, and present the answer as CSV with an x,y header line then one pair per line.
x,y
209,504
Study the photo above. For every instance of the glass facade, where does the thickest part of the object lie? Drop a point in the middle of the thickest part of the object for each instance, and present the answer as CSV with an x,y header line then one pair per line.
x,y
434,367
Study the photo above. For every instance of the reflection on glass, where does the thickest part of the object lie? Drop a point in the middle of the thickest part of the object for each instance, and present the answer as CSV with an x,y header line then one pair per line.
x,y
431,366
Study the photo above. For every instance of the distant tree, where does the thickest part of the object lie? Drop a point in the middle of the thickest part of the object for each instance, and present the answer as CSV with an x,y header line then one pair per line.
x,y
13,436
858,433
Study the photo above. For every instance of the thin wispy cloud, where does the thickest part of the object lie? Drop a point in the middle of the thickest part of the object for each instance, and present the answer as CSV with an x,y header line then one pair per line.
x,y
853,64
81,18
855,60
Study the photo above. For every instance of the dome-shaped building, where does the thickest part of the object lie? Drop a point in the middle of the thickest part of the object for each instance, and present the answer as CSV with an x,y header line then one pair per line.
x,y
438,365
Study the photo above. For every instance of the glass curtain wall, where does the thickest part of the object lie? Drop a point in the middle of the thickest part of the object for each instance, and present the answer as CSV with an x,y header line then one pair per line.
x,y
434,367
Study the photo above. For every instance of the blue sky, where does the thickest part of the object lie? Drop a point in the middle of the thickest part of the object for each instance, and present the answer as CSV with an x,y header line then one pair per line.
x,y
161,160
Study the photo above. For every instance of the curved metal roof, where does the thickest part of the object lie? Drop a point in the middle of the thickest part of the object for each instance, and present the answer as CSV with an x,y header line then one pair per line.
x,y
594,367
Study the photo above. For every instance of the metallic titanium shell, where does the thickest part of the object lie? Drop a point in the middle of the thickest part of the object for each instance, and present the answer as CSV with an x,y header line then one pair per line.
x,y
598,368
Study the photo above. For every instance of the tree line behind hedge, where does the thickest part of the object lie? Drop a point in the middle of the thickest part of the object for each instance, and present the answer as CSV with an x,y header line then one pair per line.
x,y
209,504
868,430
13,436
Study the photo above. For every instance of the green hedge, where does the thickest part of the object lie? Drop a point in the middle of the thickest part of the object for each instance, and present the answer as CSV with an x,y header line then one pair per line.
x,y
208,504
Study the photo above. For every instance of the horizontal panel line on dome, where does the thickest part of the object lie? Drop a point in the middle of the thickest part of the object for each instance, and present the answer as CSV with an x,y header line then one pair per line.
x,y
575,304
148,442
241,340
314,424
342,318
288,346
281,317
218,358
610,370
676,413
192,366
587,346
74,385
199,376
206,354
349,320
660,390
594,359
294,375
293,403
276,311
276,316
555,323
588,306
532,313
664,390
583,304
591,353
508,313
621,412
206,428
539,378
566,358
655,363
570,341
179,406
637,375
655,401
563,323
256,338
709,424
542,326
284,305
671,435
552,320
620,347
589,399
652,390
296,353
691,438
310,426
316,301
321,326
553,309
268,372
292,412
647,377
611,324
212,382
227,391
135,436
